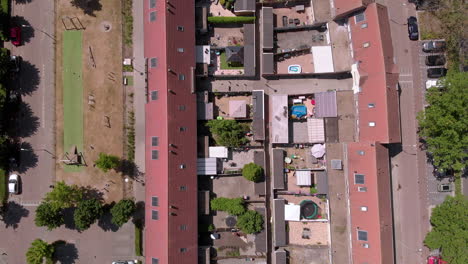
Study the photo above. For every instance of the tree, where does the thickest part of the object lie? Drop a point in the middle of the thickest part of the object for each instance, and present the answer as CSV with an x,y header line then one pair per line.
x,y
87,213
250,222
444,123
49,216
39,252
107,162
122,211
228,133
64,196
234,206
252,172
450,229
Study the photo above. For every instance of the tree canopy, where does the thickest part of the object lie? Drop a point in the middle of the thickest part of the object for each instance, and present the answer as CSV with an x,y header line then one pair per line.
x,y
250,222
234,206
64,196
228,133
39,252
87,213
252,172
122,211
49,216
444,123
450,229
107,162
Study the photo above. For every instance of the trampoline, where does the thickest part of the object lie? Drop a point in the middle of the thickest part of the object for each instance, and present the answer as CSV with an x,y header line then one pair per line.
x,y
298,111
309,209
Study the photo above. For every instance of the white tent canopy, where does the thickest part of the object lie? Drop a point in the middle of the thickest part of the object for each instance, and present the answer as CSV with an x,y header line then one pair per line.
x,y
292,212
303,178
318,150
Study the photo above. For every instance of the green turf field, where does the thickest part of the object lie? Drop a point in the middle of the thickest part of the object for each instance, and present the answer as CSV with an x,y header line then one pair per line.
x,y
72,93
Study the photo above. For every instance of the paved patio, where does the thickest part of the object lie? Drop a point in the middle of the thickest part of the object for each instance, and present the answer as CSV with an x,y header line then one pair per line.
x,y
222,105
233,187
305,17
237,159
318,233
304,60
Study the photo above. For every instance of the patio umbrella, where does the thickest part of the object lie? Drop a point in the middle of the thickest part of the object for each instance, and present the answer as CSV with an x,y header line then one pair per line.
x,y
318,150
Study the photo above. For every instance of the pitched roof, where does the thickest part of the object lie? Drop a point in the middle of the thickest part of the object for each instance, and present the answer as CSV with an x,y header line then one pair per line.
x,y
235,54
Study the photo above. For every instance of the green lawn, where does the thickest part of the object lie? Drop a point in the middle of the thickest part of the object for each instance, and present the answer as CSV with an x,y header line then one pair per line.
x,y
3,187
138,240
224,65
72,93
129,80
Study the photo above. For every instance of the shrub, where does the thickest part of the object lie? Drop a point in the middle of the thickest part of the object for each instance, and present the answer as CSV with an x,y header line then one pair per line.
x,y
138,239
222,2
106,162
253,172
234,206
122,211
230,20
250,222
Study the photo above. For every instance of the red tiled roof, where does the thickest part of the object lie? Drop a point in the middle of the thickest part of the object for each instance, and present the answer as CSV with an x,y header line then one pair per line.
x,y
371,160
172,118
373,52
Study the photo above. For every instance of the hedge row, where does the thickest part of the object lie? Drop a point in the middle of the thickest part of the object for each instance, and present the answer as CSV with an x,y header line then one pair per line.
x,y
230,20
233,206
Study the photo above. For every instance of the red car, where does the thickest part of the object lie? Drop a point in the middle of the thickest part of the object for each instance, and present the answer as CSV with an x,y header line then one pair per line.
x,y
15,36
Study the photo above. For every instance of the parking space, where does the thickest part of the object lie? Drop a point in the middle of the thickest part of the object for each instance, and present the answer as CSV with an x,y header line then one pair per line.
x,y
435,197
422,63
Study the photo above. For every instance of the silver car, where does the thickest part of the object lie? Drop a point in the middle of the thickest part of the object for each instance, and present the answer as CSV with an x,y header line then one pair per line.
x,y
445,187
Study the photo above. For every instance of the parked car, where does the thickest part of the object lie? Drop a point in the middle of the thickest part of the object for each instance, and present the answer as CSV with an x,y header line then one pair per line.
x,y
125,262
13,184
15,63
413,31
215,236
432,83
435,60
444,187
434,46
436,72
15,36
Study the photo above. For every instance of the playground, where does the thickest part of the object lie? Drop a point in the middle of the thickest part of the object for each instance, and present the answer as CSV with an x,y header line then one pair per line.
x,y
90,96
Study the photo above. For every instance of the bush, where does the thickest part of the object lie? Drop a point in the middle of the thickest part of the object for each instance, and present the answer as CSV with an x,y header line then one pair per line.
x,y
313,189
222,2
253,172
138,239
230,20
107,162
122,211
234,206
251,222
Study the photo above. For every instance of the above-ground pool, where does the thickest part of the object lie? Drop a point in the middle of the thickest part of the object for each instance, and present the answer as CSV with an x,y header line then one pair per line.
x,y
294,68
298,111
